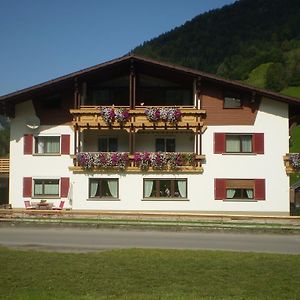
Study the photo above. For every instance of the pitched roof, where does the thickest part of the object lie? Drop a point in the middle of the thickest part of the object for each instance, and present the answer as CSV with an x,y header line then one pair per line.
x,y
188,71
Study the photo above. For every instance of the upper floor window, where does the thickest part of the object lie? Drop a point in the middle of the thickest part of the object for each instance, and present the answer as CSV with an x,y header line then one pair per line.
x,y
47,145
108,144
232,143
103,188
239,143
165,145
232,100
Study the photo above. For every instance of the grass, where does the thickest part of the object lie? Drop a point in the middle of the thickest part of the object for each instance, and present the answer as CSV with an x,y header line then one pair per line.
x,y
257,76
293,91
148,274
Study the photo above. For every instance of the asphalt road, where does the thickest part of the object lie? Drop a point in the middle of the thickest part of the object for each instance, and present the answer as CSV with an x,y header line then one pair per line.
x,y
83,240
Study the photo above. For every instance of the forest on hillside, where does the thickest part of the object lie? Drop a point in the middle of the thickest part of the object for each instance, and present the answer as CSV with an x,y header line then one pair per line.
x,y
256,41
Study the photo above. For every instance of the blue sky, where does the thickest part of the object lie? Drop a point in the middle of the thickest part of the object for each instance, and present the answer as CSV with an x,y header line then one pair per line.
x,y
43,39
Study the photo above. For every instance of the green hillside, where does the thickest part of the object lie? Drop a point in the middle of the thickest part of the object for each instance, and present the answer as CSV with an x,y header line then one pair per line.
x,y
257,41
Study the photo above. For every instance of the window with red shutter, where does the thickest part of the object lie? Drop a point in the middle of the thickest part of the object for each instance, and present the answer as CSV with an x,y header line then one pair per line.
x,y
220,189
28,144
64,186
240,189
65,144
219,142
27,187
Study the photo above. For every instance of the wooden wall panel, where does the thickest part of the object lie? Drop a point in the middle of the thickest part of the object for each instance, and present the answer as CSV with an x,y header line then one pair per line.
x,y
212,102
55,116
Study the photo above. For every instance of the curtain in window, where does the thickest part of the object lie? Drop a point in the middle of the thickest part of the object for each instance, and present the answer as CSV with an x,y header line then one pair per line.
x,y
38,189
51,188
148,185
40,145
247,143
52,145
113,187
230,193
94,187
249,193
232,143
182,188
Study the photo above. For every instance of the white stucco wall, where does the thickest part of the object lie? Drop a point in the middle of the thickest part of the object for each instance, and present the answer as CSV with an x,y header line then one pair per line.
x,y
35,166
272,120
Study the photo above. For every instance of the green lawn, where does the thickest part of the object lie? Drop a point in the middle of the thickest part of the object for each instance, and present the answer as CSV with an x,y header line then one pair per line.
x,y
148,274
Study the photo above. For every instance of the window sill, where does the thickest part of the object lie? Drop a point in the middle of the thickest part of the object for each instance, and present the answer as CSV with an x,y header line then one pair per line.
x,y
240,153
45,197
103,199
240,200
165,199
46,154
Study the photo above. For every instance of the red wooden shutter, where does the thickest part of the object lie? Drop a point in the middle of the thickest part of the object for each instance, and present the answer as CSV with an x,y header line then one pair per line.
x,y
258,143
260,189
219,143
27,187
220,189
65,144
64,187
28,143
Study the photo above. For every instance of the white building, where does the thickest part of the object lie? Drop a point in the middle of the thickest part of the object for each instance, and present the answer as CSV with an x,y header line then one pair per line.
x,y
140,135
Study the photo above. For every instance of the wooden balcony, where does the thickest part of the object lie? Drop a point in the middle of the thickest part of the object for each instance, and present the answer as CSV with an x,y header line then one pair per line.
x,y
131,165
292,163
89,117
4,166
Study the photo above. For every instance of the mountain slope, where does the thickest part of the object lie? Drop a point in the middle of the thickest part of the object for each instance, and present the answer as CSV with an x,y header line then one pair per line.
x,y
234,40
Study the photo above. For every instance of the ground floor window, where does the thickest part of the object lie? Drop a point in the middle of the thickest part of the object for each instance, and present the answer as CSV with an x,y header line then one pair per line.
x,y
239,189
46,187
103,188
165,188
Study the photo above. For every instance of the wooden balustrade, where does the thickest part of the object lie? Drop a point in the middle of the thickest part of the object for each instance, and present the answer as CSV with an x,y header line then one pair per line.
x,y
4,165
89,117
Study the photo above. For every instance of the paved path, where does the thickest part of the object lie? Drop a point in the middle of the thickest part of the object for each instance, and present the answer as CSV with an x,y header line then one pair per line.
x,y
81,240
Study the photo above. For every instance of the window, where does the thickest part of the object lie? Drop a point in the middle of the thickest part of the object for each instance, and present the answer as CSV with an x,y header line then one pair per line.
x,y
238,143
103,188
108,145
232,100
165,145
239,189
47,145
46,187
165,188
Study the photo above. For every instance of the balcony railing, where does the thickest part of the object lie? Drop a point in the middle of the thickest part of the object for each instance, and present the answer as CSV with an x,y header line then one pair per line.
x,y
155,162
4,165
292,162
91,117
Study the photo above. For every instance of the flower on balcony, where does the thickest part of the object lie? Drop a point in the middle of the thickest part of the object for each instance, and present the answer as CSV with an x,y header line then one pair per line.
x,y
142,160
152,114
122,115
294,159
172,115
110,114
159,160
117,160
